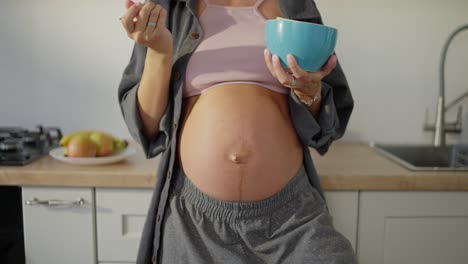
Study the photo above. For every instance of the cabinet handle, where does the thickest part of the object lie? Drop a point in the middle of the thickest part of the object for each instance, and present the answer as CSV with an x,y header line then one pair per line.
x,y
57,203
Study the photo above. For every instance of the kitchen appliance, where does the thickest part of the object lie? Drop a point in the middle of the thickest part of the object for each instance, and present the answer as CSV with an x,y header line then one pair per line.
x,y
20,146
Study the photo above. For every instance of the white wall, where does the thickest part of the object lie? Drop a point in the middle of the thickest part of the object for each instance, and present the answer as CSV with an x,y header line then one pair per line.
x,y
390,51
61,62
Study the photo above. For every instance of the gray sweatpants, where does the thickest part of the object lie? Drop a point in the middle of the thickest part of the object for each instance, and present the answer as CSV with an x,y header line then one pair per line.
x,y
293,226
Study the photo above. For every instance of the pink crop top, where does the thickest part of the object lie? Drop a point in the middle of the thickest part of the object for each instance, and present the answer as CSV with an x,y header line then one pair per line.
x,y
231,51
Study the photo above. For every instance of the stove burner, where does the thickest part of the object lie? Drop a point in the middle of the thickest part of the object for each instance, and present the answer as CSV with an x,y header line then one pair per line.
x,y
19,146
4,135
35,140
11,144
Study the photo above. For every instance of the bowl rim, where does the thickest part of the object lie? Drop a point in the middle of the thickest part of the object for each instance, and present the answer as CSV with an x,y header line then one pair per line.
x,y
302,22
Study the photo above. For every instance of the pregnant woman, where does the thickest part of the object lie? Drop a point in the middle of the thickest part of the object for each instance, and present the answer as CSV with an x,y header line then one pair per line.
x,y
236,183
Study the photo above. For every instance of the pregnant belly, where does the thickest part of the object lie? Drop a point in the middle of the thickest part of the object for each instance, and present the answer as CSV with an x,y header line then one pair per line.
x,y
237,142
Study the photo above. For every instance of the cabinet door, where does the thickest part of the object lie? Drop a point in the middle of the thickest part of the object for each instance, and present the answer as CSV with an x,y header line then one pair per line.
x,y
413,227
343,207
121,214
58,225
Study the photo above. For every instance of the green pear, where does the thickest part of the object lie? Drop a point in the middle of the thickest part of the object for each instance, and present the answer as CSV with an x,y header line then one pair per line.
x,y
119,145
104,143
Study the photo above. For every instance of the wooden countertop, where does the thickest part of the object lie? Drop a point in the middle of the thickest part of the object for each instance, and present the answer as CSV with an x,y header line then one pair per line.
x,y
347,166
135,171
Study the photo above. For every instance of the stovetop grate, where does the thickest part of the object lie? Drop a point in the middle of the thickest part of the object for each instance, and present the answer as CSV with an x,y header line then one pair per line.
x,y
20,146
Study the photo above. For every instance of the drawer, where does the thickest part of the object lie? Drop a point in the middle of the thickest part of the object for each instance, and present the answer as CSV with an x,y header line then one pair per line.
x,y
58,225
120,216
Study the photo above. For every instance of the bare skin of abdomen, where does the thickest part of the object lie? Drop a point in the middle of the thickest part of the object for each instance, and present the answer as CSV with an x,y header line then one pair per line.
x,y
237,142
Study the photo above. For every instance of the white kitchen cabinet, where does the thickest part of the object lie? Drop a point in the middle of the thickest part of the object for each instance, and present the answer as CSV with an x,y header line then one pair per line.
x,y
383,227
120,214
59,225
343,206
413,227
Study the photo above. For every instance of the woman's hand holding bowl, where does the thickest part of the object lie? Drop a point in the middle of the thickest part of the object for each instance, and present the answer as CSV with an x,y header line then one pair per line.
x,y
302,81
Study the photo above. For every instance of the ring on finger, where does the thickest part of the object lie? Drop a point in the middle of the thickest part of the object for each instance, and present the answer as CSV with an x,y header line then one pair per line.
x,y
151,24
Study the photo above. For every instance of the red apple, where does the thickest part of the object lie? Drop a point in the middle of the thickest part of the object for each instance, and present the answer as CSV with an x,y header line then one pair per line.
x,y
81,146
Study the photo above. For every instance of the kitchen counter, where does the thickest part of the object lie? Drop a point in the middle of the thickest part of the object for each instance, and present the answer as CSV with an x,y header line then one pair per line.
x,y
347,166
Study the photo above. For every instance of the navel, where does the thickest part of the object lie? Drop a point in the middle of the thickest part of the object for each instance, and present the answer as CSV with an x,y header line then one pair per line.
x,y
237,158
234,158
239,152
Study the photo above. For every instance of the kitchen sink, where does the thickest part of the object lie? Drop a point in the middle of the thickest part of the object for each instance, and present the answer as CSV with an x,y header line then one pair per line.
x,y
426,157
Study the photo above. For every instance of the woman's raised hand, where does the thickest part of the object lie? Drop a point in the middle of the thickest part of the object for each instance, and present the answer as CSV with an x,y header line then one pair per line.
x,y
146,25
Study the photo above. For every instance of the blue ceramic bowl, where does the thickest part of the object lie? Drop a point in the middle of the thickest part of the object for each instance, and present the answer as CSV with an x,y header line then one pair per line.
x,y
311,44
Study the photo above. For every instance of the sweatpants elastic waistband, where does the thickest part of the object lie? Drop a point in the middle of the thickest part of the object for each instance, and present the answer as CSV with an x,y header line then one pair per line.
x,y
231,210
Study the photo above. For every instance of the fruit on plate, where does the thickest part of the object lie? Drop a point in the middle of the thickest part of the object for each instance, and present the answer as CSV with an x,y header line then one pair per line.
x,y
66,138
119,145
81,146
104,144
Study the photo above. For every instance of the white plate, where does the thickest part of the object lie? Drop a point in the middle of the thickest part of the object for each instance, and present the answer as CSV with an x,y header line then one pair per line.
x,y
57,153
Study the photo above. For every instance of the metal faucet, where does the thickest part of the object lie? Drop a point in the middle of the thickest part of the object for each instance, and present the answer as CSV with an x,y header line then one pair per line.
x,y
440,126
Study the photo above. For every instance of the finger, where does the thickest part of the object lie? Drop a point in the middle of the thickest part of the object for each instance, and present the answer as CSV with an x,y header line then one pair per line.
x,y
143,16
331,64
283,77
153,19
269,61
127,19
298,72
161,24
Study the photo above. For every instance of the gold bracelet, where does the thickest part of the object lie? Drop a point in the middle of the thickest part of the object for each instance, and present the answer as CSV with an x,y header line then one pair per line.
x,y
309,102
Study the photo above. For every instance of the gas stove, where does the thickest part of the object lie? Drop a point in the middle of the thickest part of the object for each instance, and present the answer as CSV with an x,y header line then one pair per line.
x,y
20,146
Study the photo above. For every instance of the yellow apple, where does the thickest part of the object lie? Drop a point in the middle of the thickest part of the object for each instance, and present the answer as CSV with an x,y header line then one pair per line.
x,y
104,143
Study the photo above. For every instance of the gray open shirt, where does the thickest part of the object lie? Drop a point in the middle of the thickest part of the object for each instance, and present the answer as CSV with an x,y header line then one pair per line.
x,y
336,107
